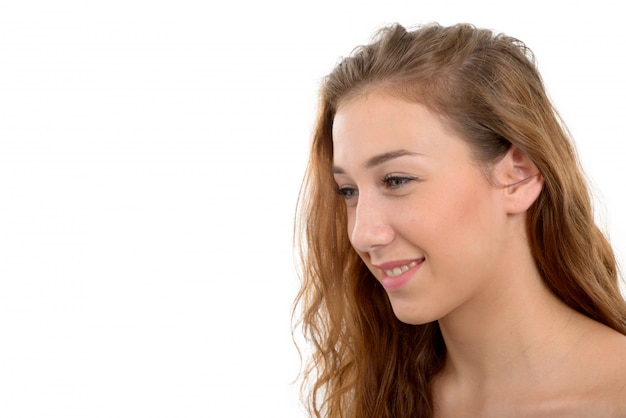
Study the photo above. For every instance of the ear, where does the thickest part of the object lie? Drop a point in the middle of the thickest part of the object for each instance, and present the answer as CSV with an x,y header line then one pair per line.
x,y
520,180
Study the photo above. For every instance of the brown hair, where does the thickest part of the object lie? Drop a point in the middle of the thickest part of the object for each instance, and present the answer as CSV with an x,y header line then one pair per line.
x,y
365,362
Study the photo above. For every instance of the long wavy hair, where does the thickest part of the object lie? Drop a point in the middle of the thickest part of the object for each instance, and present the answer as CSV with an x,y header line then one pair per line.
x,y
363,361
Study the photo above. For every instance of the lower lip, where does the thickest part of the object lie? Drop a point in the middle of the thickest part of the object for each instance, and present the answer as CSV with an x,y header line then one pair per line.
x,y
392,284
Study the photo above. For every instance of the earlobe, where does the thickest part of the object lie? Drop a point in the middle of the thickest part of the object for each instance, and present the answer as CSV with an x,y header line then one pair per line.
x,y
520,179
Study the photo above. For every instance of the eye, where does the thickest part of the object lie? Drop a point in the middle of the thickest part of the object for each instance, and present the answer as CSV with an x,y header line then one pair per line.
x,y
347,192
395,182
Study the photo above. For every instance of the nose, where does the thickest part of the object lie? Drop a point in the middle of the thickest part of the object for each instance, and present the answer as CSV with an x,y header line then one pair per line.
x,y
368,225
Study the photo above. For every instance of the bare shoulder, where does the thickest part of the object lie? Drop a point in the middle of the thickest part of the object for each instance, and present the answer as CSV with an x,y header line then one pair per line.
x,y
595,384
604,351
613,355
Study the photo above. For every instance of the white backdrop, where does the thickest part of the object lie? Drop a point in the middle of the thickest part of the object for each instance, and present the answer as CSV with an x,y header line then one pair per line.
x,y
150,159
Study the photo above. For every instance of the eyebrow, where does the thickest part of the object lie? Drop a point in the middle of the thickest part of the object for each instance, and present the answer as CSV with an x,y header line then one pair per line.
x,y
380,159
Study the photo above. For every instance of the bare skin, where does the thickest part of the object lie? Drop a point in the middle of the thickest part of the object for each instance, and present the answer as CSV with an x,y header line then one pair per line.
x,y
577,371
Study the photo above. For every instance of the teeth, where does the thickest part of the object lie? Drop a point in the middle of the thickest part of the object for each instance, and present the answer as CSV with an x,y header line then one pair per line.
x,y
399,270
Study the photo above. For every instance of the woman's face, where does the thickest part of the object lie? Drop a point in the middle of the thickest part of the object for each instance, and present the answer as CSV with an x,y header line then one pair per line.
x,y
421,213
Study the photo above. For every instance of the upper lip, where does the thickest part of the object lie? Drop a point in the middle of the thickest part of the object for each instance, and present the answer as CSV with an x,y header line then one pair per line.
x,y
390,265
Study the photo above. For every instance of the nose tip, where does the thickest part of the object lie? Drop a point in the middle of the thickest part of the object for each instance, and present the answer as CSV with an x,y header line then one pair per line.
x,y
371,239
370,230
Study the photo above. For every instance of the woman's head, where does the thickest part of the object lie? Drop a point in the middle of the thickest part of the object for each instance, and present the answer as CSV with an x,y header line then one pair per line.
x,y
486,89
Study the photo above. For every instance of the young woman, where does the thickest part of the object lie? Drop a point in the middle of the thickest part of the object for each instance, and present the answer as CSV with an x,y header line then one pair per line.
x,y
451,264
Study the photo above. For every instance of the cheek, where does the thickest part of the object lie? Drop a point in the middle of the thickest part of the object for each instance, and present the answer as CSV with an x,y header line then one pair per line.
x,y
460,221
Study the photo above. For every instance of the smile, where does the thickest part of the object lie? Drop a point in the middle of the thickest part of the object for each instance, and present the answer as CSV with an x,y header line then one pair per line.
x,y
395,272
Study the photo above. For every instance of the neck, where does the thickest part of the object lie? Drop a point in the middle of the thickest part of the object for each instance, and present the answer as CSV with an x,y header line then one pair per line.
x,y
506,333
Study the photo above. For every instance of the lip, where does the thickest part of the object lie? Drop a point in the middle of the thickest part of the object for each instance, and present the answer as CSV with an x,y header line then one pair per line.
x,y
392,284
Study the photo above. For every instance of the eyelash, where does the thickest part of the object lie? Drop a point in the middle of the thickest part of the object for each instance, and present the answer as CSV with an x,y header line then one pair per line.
x,y
398,181
347,192
402,180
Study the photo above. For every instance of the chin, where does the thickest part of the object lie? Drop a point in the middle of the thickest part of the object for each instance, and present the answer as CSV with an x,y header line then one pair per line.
x,y
413,316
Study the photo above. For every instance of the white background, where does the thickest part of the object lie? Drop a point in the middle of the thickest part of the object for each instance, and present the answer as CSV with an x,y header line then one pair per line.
x,y
150,159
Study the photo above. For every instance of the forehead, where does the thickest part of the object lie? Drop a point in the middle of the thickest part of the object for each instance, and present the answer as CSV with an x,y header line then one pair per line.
x,y
376,123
